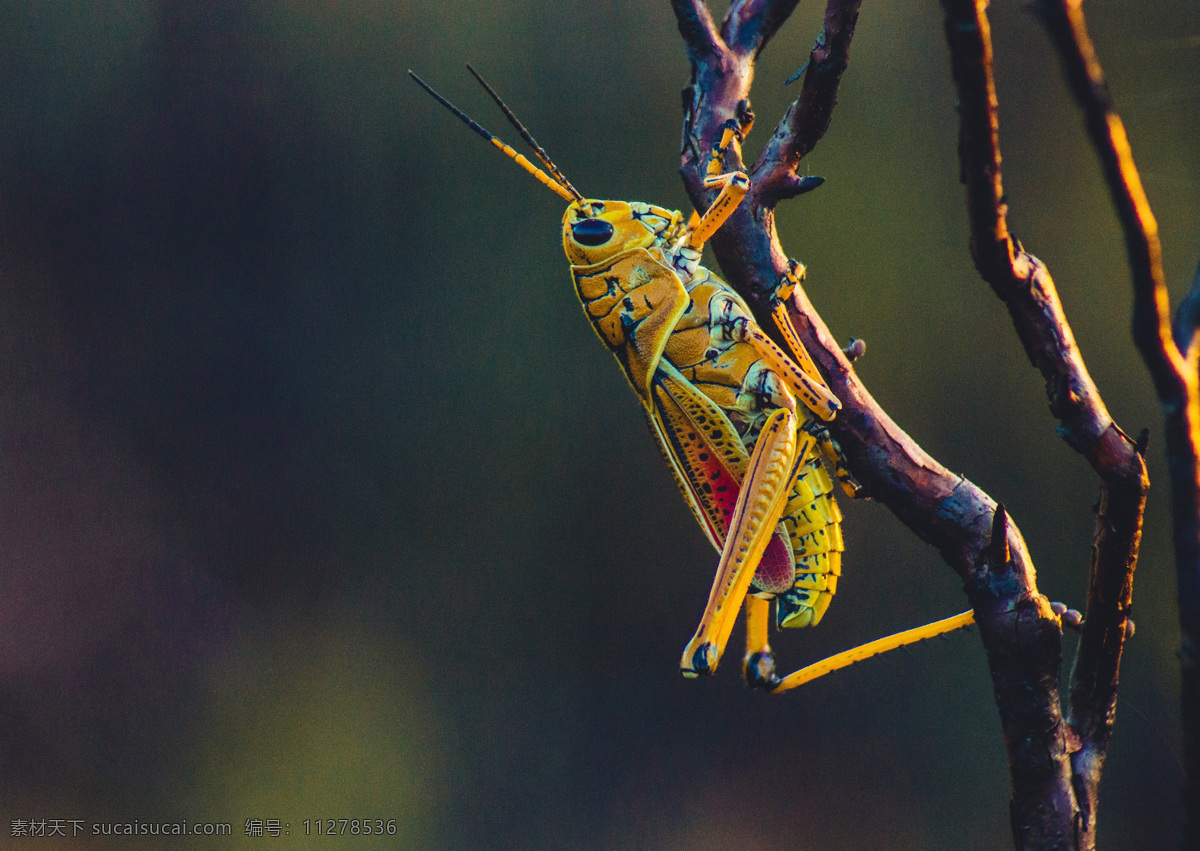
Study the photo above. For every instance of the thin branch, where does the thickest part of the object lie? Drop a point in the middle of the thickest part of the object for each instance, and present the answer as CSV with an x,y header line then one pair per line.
x,y
749,25
1174,372
805,122
1151,309
697,28
1025,286
720,76
722,71
1187,318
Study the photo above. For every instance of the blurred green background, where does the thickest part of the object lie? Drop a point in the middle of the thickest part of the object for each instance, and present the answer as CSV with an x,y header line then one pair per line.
x,y
320,498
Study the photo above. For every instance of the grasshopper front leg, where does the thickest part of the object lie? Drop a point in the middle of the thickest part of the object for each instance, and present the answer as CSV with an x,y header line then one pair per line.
x,y
734,186
772,468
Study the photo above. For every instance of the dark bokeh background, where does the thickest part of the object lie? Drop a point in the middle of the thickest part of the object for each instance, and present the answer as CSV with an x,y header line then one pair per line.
x,y
320,499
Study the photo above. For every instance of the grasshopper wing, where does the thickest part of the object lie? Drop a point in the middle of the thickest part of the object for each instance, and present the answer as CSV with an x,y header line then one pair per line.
x,y
709,461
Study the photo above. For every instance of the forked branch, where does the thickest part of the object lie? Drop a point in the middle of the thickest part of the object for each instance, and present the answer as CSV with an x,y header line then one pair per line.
x,y
1023,283
1170,357
1021,632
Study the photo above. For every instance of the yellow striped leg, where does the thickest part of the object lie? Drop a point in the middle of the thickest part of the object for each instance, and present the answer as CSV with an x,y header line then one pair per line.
x,y
787,285
833,456
734,186
769,475
729,132
873,648
813,392
829,448
788,331
758,666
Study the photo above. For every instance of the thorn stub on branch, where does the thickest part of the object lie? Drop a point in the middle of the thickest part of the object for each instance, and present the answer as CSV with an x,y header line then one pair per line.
x,y
998,555
855,350
797,75
789,186
806,184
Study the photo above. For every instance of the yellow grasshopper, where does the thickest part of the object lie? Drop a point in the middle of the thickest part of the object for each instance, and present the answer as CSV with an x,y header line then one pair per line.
x,y
739,420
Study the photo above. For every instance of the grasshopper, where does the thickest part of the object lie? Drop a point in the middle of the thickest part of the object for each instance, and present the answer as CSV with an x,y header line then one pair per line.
x,y
739,420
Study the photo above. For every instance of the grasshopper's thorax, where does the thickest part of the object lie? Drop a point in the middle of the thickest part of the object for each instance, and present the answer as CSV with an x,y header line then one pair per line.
x,y
594,231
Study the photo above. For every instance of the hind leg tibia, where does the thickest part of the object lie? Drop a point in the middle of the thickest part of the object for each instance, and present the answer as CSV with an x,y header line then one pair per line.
x,y
758,666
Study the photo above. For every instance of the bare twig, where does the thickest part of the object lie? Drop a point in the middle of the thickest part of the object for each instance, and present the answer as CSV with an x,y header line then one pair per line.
x,y
1151,317
1025,286
1187,319
808,118
697,28
1173,368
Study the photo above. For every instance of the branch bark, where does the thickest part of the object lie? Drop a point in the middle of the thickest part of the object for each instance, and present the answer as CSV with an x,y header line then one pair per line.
x,y
1020,631
1170,358
1023,283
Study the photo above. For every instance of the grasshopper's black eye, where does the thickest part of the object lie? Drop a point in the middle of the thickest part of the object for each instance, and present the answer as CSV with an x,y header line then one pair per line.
x,y
592,232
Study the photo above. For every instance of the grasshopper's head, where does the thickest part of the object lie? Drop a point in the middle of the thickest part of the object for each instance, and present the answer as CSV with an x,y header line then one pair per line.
x,y
597,230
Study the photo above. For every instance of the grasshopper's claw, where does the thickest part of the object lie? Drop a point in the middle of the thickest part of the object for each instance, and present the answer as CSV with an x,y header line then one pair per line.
x,y
699,659
759,670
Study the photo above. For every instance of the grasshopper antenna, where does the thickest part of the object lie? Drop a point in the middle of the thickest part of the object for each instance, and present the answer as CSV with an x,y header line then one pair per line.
x,y
525,134
517,158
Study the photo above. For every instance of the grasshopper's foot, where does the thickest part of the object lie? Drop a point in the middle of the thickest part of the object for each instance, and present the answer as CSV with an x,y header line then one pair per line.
x,y
759,670
699,658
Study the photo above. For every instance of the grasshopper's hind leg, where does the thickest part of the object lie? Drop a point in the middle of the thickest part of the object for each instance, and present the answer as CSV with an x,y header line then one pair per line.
x,y
872,648
759,664
773,467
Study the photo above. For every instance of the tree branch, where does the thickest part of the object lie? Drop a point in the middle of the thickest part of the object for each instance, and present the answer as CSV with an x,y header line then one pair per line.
x,y
1019,629
1187,318
1151,311
1025,286
697,28
805,122
750,25
1173,368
